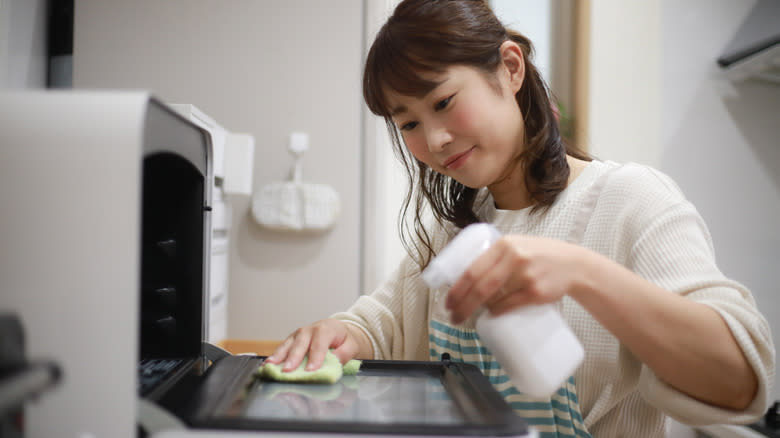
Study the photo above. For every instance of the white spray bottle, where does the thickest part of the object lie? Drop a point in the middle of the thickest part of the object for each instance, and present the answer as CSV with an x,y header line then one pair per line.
x,y
533,344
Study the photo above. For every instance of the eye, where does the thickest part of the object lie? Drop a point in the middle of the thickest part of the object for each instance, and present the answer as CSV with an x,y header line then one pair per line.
x,y
408,126
440,105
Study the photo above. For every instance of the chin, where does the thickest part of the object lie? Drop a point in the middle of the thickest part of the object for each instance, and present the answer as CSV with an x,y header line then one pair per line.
x,y
470,183
475,186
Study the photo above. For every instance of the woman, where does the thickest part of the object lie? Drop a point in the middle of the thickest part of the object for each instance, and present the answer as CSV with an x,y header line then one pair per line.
x,y
627,260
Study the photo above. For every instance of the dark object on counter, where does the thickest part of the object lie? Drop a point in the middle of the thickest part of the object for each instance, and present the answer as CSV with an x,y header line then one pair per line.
x,y
11,357
772,417
20,380
770,424
11,342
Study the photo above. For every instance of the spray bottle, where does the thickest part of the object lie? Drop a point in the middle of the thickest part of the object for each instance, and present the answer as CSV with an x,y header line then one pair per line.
x,y
533,344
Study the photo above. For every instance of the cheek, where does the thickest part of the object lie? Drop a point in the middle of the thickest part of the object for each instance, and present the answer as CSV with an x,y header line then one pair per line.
x,y
415,144
465,118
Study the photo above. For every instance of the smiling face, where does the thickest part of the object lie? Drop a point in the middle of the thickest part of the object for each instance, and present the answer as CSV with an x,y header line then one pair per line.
x,y
468,127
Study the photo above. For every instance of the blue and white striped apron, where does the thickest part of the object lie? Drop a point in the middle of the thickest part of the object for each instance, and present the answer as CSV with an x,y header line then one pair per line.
x,y
554,417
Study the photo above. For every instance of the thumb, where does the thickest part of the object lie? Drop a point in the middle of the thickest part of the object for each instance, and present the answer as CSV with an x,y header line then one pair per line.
x,y
344,352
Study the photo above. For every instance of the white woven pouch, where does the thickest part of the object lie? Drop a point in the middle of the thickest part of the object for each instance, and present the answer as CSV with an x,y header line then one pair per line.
x,y
296,206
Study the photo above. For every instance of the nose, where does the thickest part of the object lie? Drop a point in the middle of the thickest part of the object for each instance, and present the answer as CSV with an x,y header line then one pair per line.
x,y
437,137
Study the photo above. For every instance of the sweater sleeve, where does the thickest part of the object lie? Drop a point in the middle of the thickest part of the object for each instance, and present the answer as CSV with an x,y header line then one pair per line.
x,y
394,316
672,248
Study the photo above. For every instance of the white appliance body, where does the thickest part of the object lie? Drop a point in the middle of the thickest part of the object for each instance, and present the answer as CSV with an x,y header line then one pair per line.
x,y
71,189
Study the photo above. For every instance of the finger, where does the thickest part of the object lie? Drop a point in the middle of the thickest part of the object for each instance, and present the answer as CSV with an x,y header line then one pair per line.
x,y
465,308
489,274
320,344
496,299
495,287
344,352
510,302
297,351
507,281
470,300
465,283
348,348
281,351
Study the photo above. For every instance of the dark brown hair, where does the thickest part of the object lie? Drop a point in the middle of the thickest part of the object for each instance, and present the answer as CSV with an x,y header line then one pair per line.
x,y
424,36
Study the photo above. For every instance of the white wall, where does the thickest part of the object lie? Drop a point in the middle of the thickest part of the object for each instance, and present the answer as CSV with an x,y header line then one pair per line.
x,y
266,68
532,18
624,81
384,177
22,44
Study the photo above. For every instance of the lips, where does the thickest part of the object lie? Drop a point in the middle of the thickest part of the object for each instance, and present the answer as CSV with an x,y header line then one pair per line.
x,y
457,160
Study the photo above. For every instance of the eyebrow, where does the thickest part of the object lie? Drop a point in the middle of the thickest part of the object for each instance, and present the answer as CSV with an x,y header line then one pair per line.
x,y
402,108
397,110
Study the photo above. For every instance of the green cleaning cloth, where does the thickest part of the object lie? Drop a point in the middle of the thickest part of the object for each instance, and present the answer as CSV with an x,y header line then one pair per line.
x,y
352,367
330,371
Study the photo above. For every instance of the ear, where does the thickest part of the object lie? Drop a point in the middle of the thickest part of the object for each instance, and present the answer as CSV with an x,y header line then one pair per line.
x,y
514,64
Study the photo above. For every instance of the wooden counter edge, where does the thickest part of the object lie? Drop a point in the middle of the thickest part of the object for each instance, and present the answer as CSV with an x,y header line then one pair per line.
x,y
253,346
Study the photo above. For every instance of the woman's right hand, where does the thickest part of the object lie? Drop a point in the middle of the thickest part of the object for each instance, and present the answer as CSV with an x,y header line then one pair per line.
x,y
315,341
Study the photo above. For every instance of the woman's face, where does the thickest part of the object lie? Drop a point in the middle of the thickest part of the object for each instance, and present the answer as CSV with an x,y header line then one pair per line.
x,y
465,127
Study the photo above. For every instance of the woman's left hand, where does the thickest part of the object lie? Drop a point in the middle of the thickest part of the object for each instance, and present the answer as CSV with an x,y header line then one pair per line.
x,y
516,270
